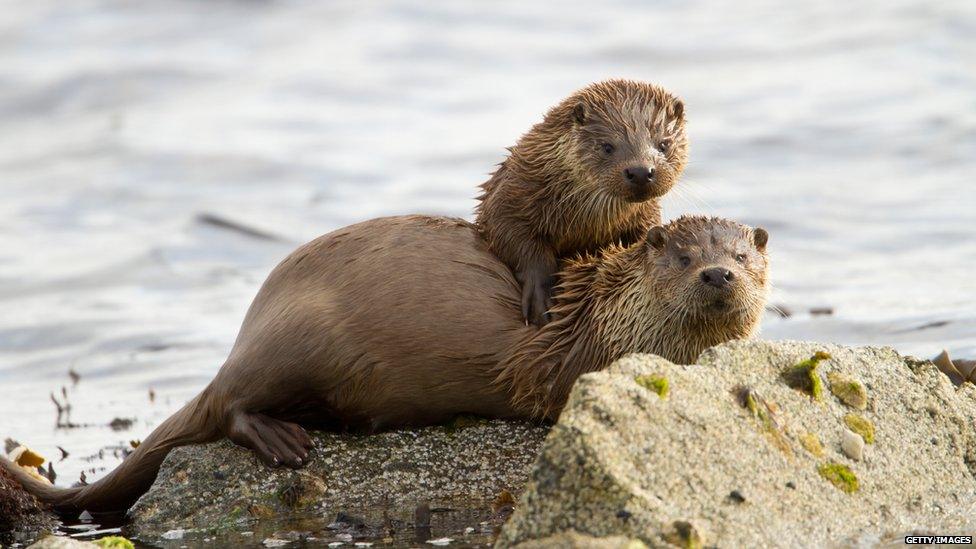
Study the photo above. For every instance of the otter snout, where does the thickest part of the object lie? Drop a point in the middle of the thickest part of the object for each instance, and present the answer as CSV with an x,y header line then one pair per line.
x,y
717,277
640,183
639,175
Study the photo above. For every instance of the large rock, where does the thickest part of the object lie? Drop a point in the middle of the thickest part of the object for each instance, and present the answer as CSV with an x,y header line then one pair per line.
x,y
734,456
443,480
574,540
61,542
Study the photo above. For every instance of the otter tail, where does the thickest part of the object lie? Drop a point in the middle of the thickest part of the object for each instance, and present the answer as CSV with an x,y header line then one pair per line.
x,y
193,424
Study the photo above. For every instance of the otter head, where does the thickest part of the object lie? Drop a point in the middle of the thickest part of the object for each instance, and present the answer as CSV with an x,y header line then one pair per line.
x,y
712,272
629,138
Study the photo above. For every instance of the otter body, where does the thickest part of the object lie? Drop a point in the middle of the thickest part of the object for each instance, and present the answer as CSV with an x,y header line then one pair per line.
x,y
345,333
587,176
354,312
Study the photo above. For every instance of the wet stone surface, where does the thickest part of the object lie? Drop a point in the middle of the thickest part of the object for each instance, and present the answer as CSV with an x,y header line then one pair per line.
x,y
401,488
21,516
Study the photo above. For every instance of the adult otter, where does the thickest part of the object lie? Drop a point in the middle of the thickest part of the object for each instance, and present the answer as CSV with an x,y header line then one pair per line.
x,y
345,334
584,178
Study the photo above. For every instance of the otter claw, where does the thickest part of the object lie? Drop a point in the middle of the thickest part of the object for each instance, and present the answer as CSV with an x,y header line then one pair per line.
x,y
275,442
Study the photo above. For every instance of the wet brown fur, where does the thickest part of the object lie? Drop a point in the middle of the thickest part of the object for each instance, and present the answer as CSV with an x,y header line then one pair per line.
x,y
559,194
344,334
640,299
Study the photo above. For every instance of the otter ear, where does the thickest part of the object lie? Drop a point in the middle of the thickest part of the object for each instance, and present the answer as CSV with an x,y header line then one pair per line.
x,y
657,237
679,110
579,114
760,237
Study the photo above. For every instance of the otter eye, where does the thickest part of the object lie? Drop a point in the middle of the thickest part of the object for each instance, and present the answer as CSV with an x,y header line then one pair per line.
x,y
684,260
741,258
607,148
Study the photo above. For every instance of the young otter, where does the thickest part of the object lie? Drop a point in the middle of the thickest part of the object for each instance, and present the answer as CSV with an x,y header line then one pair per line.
x,y
344,334
584,178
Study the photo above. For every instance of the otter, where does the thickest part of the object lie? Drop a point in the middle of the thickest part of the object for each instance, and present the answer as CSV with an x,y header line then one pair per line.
x,y
344,334
587,176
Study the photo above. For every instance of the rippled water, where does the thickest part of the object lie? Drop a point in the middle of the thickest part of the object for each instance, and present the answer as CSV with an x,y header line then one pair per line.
x,y
848,129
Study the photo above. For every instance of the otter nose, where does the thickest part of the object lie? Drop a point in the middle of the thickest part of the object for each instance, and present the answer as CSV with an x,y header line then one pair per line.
x,y
717,276
639,175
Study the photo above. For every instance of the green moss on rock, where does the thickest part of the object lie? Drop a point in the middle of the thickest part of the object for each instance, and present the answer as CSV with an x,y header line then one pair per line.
x,y
657,384
849,391
811,443
840,476
114,542
804,377
860,425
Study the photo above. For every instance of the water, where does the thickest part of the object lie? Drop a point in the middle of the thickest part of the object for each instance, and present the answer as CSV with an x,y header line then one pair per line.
x,y
848,129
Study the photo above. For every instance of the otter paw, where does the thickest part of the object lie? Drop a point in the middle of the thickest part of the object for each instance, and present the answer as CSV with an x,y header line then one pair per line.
x,y
275,442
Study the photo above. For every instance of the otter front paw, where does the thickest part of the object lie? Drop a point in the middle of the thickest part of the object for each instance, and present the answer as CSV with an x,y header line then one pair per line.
x,y
536,297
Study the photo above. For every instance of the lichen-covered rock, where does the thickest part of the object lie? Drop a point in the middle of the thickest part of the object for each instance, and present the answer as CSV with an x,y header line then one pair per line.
x,y
849,391
575,540
721,461
61,542
367,486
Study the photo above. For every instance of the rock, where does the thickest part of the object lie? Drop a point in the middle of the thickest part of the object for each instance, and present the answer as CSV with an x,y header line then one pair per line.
x,y
852,445
574,540
849,391
60,542
456,471
22,517
623,462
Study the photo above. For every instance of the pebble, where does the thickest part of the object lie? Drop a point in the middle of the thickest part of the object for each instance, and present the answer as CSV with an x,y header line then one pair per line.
x,y
441,541
853,445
